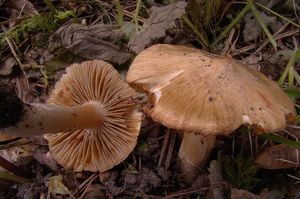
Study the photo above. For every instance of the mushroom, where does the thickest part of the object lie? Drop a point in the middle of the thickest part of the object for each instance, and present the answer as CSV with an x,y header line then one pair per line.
x,y
204,95
91,118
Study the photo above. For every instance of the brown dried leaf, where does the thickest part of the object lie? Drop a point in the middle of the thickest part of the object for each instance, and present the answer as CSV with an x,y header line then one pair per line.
x,y
160,20
240,193
278,157
24,6
6,67
264,194
19,155
94,192
45,158
253,29
91,42
215,177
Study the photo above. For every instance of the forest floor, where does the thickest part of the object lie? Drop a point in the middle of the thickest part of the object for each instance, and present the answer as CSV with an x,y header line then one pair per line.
x,y
39,39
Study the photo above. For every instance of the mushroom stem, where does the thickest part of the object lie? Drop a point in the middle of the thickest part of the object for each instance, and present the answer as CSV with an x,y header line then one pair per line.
x,y
193,154
39,118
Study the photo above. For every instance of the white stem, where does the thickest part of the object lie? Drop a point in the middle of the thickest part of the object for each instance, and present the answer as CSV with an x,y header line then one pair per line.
x,y
193,154
49,118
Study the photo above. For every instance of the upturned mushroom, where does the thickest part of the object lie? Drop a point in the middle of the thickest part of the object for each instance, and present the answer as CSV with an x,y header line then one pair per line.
x,y
204,95
91,118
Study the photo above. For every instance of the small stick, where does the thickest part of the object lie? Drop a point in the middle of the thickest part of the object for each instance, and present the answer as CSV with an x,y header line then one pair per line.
x,y
92,178
164,148
12,168
17,59
170,150
14,142
190,191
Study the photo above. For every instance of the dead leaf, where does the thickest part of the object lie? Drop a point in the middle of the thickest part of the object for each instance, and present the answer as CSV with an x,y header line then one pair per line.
x,y
240,193
19,155
91,42
215,177
141,181
24,6
6,67
278,157
154,29
281,57
253,29
57,187
45,158
264,194
94,192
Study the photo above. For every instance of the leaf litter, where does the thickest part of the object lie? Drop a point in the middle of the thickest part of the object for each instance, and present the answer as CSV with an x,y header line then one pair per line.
x,y
91,42
154,29
138,175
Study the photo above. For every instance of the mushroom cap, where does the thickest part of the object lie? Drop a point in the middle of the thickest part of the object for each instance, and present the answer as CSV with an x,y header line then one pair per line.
x,y
195,91
102,148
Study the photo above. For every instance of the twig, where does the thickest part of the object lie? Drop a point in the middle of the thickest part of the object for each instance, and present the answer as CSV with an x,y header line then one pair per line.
x,y
266,42
18,19
87,181
14,143
191,191
136,14
293,126
252,46
170,150
164,148
92,178
17,58
12,168
10,177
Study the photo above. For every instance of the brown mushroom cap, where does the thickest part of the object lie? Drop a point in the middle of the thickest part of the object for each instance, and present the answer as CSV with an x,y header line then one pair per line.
x,y
101,148
199,92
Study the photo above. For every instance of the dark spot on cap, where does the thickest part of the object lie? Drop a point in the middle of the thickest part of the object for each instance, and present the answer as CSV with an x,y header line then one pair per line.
x,y
74,114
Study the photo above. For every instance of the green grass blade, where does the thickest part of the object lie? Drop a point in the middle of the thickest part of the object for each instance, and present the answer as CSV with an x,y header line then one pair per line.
x,y
208,10
14,178
136,14
120,14
261,22
231,25
201,38
278,15
280,139
293,93
290,64
51,7
291,78
297,76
